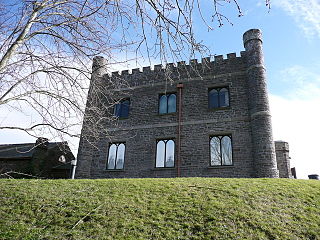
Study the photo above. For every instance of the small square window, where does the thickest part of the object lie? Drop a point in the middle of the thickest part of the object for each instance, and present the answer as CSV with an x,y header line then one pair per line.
x,y
219,97
116,156
121,109
221,150
167,103
165,153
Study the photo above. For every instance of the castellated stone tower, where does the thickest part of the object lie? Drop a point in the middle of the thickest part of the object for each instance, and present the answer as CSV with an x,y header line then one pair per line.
x,y
90,131
262,140
207,118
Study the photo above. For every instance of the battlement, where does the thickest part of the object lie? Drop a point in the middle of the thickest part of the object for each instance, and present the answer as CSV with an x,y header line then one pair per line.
x,y
194,65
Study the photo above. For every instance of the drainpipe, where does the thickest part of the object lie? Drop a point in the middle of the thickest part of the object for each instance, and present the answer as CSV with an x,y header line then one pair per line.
x,y
73,168
179,86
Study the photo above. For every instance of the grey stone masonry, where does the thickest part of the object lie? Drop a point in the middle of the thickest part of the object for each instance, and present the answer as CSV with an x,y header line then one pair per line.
x,y
263,146
244,122
283,159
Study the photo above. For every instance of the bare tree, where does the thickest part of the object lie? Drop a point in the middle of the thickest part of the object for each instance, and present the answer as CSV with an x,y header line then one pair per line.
x,y
46,48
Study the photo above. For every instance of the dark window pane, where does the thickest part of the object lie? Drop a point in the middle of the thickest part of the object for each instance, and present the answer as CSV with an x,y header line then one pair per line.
x,y
160,154
117,109
120,156
125,109
213,99
226,149
163,105
170,154
112,156
224,97
172,103
215,151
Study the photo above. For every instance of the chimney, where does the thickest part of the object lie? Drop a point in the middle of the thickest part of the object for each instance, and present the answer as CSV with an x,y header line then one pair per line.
x,y
42,142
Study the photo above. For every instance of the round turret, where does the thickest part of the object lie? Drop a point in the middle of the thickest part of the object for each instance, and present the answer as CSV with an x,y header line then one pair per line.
x,y
263,145
99,66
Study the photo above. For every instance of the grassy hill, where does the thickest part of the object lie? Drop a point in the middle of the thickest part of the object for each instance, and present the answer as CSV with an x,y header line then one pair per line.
x,y
183,208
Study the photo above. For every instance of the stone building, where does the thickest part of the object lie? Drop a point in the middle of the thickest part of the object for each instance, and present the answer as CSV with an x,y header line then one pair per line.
x,y
40,159
208,119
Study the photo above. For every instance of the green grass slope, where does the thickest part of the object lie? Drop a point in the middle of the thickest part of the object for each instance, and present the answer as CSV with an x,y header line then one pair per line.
x,y
183,208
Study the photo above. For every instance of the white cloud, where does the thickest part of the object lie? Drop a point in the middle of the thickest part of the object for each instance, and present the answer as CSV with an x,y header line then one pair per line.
x,y
302,82
297,122
296,118
305,13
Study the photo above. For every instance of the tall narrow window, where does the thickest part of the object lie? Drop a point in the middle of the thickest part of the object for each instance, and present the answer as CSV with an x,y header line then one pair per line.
x,y
116,156
121,109
167,103
219,97
165,153
221,151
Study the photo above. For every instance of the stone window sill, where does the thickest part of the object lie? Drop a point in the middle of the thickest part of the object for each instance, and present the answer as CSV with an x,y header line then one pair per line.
x,y
114,170
122,118
166,114
163,168
222,166
218,109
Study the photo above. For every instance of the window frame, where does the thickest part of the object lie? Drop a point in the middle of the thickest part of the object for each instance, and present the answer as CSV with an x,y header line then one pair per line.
x,y
168,94
115,162
120,102
174,153
218,89
220,136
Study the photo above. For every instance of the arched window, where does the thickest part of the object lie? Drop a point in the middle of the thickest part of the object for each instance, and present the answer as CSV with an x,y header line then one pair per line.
x,y
169,153
213,98
125,108
215,151
220,150
167,103
121,109
172,103
226,151
219,97
116,156
224,97
165,153
120,156
161,153
163,104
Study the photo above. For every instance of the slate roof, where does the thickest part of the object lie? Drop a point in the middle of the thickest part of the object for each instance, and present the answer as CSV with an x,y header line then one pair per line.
x,y
26,150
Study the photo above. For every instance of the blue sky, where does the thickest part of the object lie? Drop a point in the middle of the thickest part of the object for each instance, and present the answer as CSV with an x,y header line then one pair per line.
x,y
291,34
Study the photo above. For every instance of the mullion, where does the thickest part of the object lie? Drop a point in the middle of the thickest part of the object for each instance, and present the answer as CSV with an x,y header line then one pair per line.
x,y
220,138
165,152
115,160
219,105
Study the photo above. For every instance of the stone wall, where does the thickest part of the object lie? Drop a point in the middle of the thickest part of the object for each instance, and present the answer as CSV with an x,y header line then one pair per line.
x,y
145,125
283,159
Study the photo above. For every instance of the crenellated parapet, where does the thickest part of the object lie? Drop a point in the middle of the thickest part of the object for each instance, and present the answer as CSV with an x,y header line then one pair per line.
x,y
215,65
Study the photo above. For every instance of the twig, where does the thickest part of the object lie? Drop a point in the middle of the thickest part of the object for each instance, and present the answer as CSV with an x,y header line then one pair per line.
x,y
19,173
81,220
201,187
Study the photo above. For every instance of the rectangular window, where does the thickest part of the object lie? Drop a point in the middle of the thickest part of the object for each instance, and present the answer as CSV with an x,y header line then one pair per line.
x,y
167,103
219,97
121,109
221,150
116,156
165,153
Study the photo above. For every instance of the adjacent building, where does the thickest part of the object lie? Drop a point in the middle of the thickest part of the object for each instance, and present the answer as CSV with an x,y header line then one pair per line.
x,y
40,159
